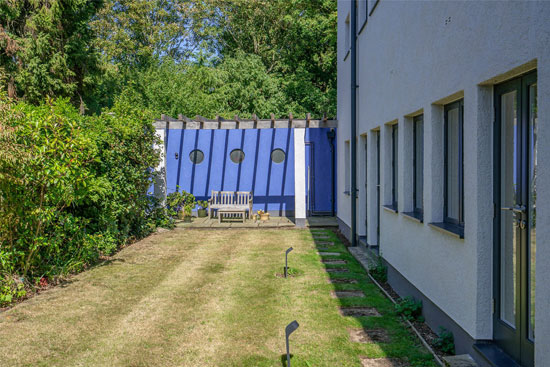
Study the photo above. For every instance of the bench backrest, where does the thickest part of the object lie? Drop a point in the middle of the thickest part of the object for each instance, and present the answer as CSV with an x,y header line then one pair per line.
x,y
231,197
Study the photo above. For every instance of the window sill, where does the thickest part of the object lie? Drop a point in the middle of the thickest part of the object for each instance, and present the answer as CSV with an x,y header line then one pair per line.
x,y
391,208
363,26
417,217
373,7
347,54
448,228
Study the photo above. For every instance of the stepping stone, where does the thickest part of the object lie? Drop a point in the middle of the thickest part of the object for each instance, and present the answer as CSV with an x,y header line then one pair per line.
x,y
330,253
347,294
325,243
463,360
337,270
383,362
369,336
334,262
320,236
342,281
359,311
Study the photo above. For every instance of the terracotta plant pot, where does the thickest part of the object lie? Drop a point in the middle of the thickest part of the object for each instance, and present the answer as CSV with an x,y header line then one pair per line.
x,y
264,217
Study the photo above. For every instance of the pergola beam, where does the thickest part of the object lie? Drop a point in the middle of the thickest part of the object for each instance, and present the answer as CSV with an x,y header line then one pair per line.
x,y
200,122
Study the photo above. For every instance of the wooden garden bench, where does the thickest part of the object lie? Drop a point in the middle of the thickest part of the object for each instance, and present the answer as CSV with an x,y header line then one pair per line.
x,y
230,201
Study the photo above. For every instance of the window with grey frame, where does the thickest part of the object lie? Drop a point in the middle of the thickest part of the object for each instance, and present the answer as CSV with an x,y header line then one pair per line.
x,y
454,165
418,166
395,165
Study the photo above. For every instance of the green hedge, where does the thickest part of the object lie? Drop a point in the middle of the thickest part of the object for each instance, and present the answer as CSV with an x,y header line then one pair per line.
x,y
72,188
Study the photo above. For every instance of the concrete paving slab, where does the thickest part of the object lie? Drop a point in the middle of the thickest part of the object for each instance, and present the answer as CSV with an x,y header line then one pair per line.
x,y
334,262
462,360
347,294
369,336
383,362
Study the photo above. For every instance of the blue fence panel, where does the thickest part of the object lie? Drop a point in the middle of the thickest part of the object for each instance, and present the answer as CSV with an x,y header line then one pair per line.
x,y
272,183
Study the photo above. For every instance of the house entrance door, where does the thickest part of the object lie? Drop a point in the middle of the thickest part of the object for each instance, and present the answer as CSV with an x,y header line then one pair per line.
x,y
515,216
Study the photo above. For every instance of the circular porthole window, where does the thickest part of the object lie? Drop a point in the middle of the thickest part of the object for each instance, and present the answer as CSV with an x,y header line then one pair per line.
x,y
278,155
196,156
237,156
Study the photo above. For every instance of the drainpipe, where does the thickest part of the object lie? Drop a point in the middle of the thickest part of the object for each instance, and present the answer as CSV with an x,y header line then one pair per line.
x,y
353,56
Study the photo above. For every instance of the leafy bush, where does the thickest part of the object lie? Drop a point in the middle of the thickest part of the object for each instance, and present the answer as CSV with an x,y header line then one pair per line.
x,y
72,187
410,309
203,204
176,201
379,271
445,342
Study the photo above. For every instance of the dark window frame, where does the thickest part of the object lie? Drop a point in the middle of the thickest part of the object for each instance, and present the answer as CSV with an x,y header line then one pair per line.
x,y
194,161
418,211
235,150
278,150
395,165
460,221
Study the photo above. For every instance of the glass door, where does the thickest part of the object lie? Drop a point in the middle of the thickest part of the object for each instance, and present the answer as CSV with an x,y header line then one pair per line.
x,y
515,216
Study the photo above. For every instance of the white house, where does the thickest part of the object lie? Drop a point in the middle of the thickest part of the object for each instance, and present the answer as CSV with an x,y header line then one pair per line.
x,y
452,163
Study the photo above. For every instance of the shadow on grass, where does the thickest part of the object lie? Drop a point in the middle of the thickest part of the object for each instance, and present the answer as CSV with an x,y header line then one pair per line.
x,y
402,346
283,359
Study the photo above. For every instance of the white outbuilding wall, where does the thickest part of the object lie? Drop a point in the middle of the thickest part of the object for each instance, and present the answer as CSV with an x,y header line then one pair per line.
x,y
415,57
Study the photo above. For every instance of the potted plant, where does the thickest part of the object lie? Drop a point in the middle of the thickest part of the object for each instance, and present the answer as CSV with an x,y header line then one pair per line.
x,y
187,212
263,215
177,201
203,205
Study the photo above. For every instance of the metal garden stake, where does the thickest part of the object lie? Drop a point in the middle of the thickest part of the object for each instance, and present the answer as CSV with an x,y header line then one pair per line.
x,y
290,328
286,260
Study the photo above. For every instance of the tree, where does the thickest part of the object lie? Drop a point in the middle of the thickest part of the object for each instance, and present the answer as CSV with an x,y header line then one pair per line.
x,y
294,38
237,85
138,33
46,50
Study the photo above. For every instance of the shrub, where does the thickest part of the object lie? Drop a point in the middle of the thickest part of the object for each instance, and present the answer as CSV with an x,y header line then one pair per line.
x,y
445,341
176,201
379,271
72,187
410,309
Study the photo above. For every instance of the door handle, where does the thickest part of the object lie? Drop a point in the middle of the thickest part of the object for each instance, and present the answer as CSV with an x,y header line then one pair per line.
x,y
516,209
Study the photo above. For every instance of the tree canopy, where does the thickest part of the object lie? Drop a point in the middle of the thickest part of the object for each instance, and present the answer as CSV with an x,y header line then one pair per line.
x,y
46,48
207,57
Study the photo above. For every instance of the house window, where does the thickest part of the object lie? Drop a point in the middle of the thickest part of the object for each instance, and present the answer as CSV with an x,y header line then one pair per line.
x,y
196,156
418,165
347,162
454,164
237,156
278,155
395,165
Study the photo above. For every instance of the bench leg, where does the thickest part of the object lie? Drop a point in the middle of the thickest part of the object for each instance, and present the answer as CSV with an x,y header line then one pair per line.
x,y
219,217
244,216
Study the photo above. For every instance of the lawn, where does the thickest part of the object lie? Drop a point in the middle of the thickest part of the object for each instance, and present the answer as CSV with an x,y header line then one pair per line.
x,y
205,298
